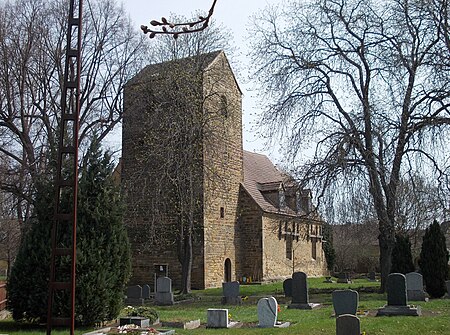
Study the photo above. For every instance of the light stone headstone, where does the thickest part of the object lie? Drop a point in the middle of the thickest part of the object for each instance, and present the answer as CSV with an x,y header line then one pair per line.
x,y
396,290
414,286
345,302
164,285
267,312
348,324
287,287
164,295
217,318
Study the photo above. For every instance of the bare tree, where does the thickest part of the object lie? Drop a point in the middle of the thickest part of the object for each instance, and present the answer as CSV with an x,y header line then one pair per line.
x,y
32,48
365,81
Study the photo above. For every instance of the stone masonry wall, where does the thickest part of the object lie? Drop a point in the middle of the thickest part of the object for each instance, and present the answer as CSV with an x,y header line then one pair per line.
x,y
223,170
249,241
276,265
152,240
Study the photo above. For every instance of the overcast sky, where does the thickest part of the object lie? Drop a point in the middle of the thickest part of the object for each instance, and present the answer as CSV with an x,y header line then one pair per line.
x,y
233,14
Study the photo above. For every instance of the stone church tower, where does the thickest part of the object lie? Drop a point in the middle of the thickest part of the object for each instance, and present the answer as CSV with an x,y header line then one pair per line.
x,y
183,170
183,114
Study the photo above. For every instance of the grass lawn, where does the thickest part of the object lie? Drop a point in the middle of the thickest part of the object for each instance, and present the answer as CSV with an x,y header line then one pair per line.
x,y
435,318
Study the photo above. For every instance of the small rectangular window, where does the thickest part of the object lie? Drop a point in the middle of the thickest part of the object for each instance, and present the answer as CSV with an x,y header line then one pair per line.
x,y
222,212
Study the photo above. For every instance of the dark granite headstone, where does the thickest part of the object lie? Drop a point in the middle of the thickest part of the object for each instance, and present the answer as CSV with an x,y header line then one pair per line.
x,y
345,302
397,302
300,298
231,293
343,277
396,290
230,289
300,288
146,291
287,287
348,324
134,292
371,276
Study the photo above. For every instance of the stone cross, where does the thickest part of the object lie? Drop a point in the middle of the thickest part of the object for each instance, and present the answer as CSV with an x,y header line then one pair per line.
x,y
345,302
267,312
348,324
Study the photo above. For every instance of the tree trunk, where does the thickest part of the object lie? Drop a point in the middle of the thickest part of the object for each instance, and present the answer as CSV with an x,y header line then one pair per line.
x,y
186,266
386,241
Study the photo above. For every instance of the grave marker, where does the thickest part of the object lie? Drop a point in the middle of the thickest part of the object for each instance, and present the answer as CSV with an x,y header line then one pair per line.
x,y
164,295
300,297
414,286
345,302
397,299
348,324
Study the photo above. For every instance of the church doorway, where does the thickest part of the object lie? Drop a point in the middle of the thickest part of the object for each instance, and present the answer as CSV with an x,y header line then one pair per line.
x,y
227,270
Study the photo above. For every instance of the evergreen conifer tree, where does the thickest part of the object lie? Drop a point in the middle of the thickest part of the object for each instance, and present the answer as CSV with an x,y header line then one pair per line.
x,y
28,282
103,257
328,248
103,251
433,260
402,261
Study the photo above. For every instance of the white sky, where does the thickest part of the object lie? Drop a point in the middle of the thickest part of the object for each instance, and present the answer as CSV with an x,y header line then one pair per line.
x,y
233,14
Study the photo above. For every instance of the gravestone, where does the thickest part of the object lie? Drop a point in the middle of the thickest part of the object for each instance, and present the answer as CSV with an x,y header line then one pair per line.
x,y
447,283
300,297
287,287
345,302
268,313
218,318
371,276
146,291
231,293
164,295
134,295
348,324
397,302
343,278
414,287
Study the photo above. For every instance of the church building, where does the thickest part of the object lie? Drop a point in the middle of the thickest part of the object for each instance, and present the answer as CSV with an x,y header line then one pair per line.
x,y
184,171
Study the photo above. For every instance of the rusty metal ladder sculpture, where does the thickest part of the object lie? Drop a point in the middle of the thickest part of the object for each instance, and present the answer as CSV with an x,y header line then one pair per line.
x,y
63,236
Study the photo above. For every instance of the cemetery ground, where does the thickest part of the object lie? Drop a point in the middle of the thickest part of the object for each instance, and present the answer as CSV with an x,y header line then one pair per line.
x,y
435,317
